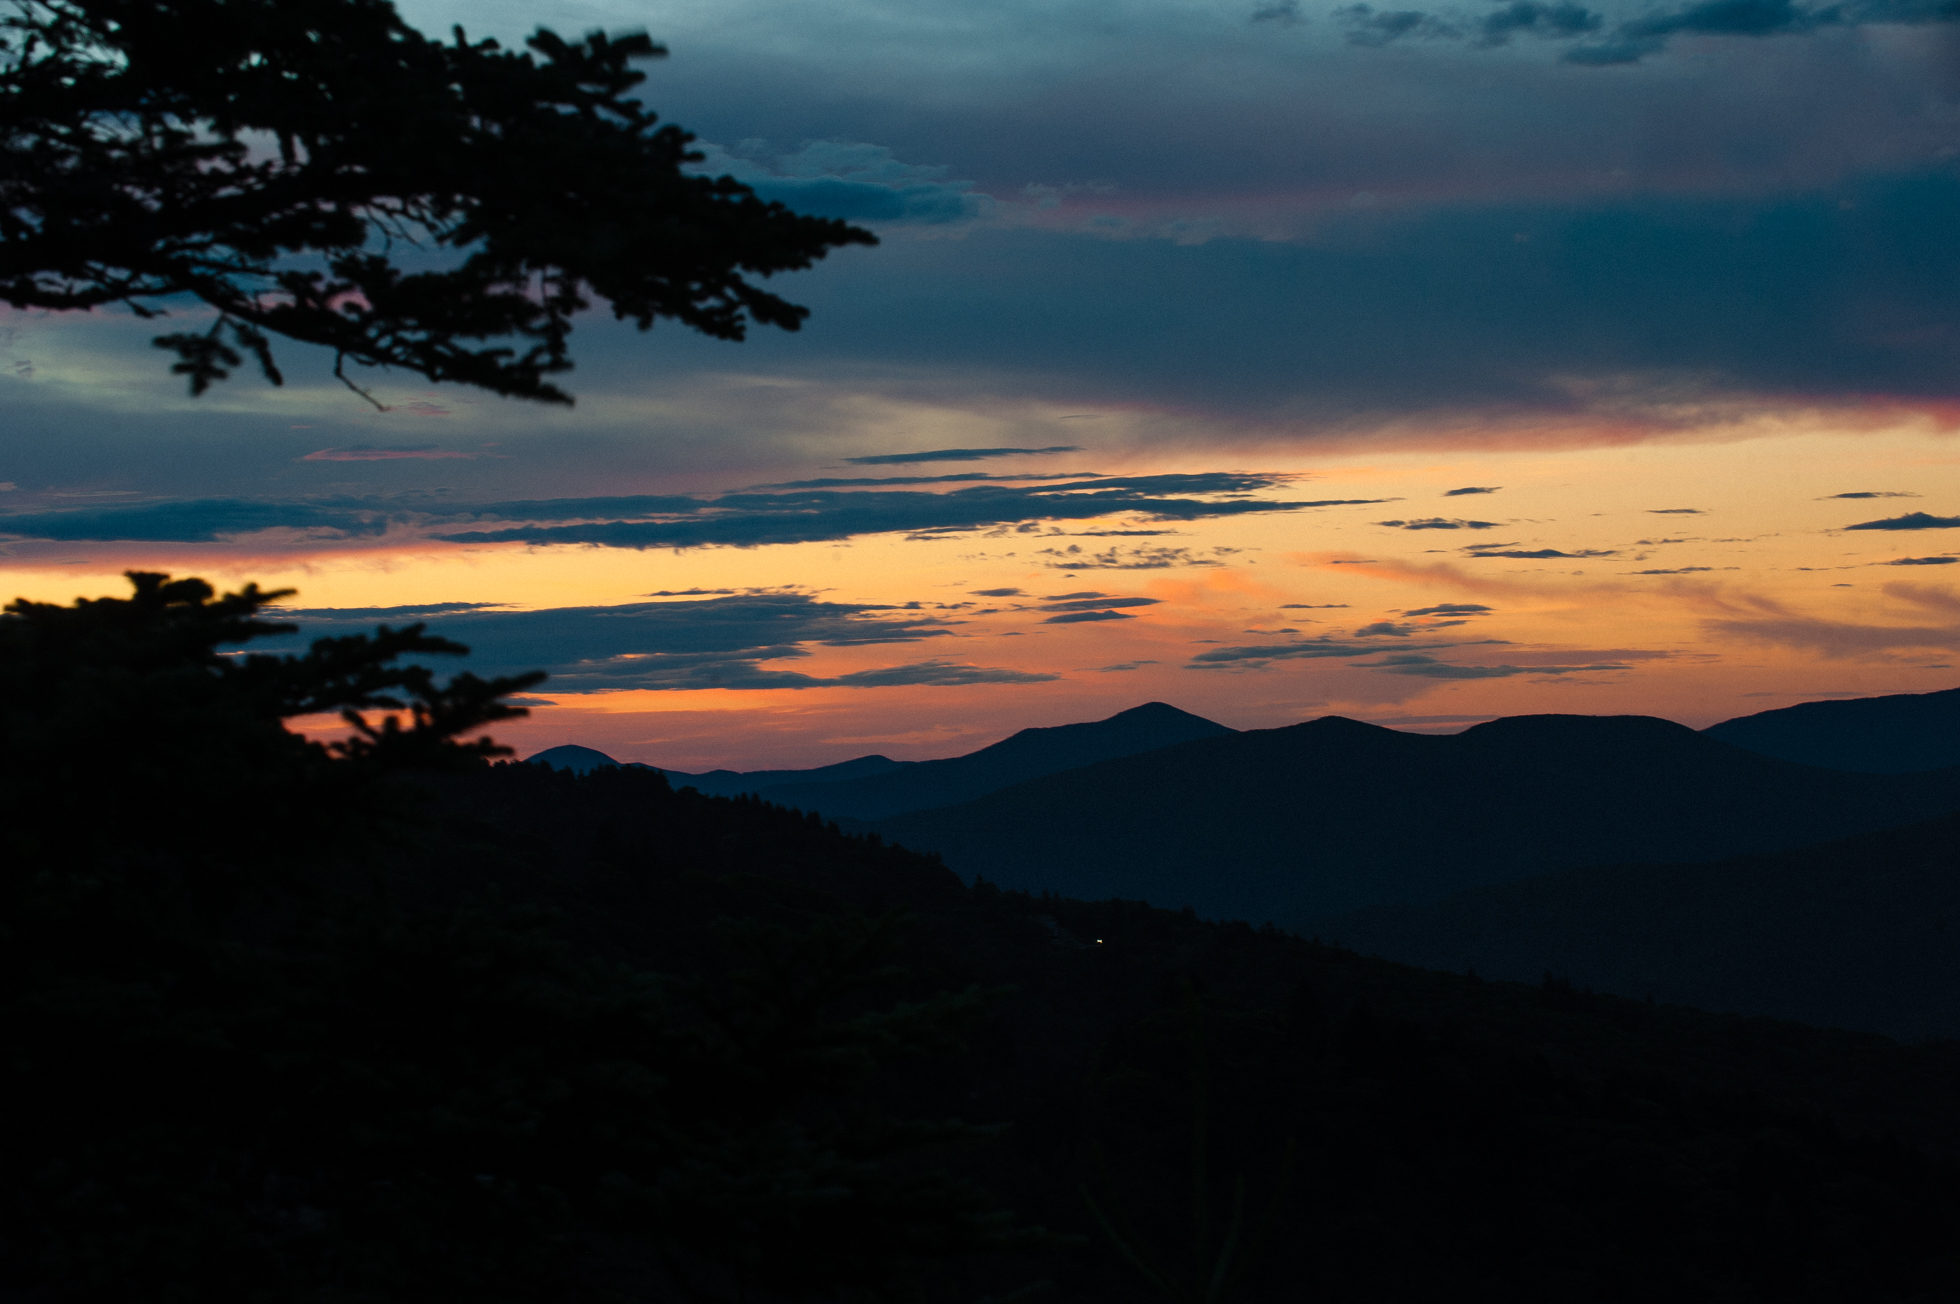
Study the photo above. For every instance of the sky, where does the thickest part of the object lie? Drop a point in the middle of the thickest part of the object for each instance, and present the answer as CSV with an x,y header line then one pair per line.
x,y
1273,360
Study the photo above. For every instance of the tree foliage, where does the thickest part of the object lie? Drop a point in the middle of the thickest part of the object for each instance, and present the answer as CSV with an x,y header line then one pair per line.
x,y
319,169
272,1034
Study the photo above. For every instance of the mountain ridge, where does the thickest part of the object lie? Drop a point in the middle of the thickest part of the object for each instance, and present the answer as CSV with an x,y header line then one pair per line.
x,y
870,787
1898,733
1314,819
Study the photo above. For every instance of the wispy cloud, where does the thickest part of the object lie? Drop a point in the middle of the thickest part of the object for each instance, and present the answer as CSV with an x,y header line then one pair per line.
x,y
1428,667
719,642
1259,656
369,453
1077,617
745,519
1630,40
1910,521
1758,619
1149,557
1440,523
1543,554
958,455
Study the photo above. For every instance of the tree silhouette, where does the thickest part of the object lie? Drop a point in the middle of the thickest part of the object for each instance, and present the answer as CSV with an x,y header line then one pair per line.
x,y
320,170
276,1032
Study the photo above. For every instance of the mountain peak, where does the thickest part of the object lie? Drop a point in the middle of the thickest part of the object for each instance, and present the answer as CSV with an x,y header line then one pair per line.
x,y
579,760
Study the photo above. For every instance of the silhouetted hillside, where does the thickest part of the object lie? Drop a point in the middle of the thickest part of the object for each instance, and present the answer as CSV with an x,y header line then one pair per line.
x,y
1026,755
715,783
733,783
1321,818
579,760
872,787
1859,933
1450,1137
1878,735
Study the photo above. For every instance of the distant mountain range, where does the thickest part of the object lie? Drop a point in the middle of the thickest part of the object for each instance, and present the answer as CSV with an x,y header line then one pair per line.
x,y
1028,755
1862,933
873,787
1318,819
1878,735
1802,863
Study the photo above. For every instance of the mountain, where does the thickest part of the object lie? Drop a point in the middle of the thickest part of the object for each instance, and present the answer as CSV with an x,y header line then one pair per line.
x,y
1877,735
1029,754
872,787
579,760
730,783
1407,1136
1318,819
1862,932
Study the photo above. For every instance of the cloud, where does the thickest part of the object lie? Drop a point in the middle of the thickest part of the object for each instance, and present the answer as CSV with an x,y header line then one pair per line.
x,y
368,453
1633,39
855,181
1094,601
743,519
1394,630
1538,554
1679,570
398,615
1675,511
1259,656
203,520
996,593
1828,497
1074,617
935,673
1427,667
1368,27
1124,665
1763,620
1072,558
1285,13
1450,609
718,642
1472,489
862,482
1440,523
957,455
1312,606
1921,561
1910,521
748,520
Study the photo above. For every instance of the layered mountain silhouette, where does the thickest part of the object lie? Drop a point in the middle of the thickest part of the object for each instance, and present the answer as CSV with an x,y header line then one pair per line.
x,y
579,760
1878,735
1303,823
714,783
1028,755
1860,933
733,783
872,787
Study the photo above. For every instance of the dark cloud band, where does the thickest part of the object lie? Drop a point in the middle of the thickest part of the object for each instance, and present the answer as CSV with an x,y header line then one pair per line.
x,y
743,519
957,455
721,642
1910,521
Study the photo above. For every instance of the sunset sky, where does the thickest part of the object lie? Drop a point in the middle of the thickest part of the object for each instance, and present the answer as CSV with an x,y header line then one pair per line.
x,y
1273,360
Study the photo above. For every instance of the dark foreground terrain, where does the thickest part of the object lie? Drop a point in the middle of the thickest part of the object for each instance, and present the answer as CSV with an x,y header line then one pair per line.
x,y
296,1023
1387,1134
